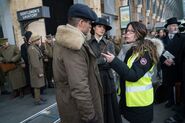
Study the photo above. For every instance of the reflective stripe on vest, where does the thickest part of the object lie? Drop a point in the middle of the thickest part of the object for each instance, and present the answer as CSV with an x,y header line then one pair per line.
x,y
139,93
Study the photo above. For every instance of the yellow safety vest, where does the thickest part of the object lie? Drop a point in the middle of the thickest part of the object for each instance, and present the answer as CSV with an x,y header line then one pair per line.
x,y
139,93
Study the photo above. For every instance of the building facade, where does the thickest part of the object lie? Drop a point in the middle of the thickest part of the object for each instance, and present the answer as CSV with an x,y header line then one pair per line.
x,y
13,28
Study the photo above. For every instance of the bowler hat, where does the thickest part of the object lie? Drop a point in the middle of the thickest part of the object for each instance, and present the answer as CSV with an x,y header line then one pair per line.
x,y
82,11
172,20
35,38
3,41
102,21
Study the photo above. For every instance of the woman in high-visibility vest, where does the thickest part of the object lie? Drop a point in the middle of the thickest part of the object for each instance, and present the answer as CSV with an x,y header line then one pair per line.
x,y
135,72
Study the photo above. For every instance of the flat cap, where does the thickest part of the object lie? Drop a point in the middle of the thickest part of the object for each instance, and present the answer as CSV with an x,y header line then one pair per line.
x,y
82,11
35,38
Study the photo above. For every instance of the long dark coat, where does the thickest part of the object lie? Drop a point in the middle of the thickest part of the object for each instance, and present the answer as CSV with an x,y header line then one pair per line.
x,y
36,66
24,55
172,74
111,108
79,90
182,60
16,77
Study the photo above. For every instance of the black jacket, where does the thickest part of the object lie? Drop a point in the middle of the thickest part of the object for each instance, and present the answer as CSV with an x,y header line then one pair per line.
x,y
133,74
173,73
138,69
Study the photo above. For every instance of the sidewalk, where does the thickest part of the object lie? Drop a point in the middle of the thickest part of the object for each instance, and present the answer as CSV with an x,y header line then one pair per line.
x,y
17,110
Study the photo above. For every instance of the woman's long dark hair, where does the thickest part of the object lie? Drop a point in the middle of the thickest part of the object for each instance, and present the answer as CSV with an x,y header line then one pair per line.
x,y
143,45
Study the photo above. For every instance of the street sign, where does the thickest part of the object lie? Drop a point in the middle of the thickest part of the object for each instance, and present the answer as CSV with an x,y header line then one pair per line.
x,y
33,13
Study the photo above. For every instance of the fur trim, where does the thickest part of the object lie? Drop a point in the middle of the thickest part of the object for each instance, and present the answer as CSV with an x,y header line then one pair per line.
x,y
158,43
70,37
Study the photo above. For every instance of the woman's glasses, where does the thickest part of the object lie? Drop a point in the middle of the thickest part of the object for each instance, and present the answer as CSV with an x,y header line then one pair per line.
x,y
129,31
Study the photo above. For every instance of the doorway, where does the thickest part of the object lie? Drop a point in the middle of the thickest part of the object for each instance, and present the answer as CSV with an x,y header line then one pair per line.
x,y
58,13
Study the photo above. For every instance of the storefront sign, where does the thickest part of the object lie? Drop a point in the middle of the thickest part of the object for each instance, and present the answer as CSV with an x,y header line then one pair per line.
x,y
33,13
124,16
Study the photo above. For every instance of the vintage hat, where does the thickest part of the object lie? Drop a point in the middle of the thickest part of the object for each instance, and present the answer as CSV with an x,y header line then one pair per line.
x,y
82,11
27,35
35,38
102,21
3,41
172,20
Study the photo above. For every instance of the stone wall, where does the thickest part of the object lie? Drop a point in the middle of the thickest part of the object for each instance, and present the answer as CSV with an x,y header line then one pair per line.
x,y
39,25
36,26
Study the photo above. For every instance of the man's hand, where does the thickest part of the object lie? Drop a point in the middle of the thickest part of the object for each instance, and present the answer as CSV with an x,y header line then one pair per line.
x,y
169,62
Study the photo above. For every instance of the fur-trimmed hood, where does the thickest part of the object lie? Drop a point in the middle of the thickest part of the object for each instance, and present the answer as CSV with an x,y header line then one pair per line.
x,y
70,37
158,43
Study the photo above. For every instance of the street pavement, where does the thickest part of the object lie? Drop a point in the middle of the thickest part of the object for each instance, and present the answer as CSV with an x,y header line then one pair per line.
x,y
23,110
18,109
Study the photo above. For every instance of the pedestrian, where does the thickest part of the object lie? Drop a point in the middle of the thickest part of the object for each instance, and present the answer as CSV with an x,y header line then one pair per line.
x,y
47,47
171,66
35,58
24,55
10,54
79,91
99,44
135,72
173,69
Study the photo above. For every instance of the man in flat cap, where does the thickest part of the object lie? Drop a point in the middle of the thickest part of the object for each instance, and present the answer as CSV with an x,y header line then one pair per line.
x,y
35,59
79,89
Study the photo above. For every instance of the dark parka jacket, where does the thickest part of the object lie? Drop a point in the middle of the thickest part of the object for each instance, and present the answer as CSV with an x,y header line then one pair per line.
x,y
135,114
79,90
35,59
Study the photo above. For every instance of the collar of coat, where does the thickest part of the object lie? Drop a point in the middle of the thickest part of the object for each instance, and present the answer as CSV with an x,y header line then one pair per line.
x,y
158,43
70,37
94,39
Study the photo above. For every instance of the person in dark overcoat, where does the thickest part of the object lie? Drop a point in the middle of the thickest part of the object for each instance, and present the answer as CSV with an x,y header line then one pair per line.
x,y
178,117
24,55
35,58
99,44
78,86
171,67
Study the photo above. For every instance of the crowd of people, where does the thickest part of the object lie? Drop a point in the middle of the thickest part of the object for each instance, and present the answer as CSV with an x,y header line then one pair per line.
x,y
82,69
28,69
